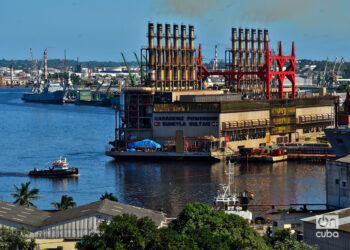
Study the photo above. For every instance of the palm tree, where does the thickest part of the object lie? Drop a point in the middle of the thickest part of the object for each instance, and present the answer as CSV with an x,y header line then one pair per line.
x,y
108,196
66,202
24,196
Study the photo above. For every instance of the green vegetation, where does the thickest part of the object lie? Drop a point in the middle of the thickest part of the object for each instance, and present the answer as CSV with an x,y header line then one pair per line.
x,y
24,196
109,196
197,227
15,239
283,240
66,202
343,88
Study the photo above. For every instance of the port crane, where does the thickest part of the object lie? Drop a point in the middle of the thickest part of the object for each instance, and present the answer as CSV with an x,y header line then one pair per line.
x,y
340,64
330,76
325,67
96,92
335,63
132,77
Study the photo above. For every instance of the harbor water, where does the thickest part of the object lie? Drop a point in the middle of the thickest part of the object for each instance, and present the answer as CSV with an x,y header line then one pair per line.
x,y
32,135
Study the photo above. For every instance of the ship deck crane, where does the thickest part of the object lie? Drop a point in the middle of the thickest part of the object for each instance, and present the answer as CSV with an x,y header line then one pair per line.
x,y
132,77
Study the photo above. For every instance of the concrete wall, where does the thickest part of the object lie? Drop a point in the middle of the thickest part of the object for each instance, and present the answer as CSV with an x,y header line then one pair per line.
x,y
338,184
193,124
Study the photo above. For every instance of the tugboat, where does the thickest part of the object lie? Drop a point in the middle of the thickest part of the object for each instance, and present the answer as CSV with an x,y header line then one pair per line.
x,y
229,202
59,168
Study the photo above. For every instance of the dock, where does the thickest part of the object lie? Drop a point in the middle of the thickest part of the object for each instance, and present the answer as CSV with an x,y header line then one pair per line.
x,y
162,155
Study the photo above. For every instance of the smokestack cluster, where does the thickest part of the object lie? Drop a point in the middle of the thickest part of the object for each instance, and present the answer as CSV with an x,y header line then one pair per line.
x,y
248,54
171,64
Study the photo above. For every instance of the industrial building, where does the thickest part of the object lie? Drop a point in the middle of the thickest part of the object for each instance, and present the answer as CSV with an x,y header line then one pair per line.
x,y
338,182
337,237
253,109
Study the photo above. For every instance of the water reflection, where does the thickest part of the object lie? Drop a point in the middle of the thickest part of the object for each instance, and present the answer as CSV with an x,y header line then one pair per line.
x,y
166,185
57,184
170,186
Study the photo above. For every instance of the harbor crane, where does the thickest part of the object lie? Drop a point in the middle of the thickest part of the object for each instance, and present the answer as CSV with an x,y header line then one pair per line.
x,y
340,64
335,63
330,76
132,77
325,67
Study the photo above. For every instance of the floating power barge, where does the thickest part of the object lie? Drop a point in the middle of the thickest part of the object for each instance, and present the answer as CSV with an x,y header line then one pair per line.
x,y
174,108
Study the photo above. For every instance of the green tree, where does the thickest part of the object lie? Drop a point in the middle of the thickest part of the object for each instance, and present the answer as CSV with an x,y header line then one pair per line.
x,y
207,228
284,240
123,232
24,196
109,196
197,227
75,79
15,239
66,202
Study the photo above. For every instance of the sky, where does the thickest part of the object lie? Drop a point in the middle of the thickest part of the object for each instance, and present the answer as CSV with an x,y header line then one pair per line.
x,y
100,30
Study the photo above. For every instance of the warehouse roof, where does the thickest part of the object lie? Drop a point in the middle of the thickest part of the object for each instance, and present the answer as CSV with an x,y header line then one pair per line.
x,y
37,218
23,215
344,219
106,207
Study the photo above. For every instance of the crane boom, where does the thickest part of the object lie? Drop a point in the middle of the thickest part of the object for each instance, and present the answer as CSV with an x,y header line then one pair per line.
x,y
139,63
132,77
325,68
335,63
340,64
109,87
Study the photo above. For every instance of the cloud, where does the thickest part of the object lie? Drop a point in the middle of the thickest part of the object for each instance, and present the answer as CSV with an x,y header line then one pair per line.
x,y
189,8
318,15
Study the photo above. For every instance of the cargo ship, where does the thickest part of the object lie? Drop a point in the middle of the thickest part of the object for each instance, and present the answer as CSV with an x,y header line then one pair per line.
x,y
48,91
52,93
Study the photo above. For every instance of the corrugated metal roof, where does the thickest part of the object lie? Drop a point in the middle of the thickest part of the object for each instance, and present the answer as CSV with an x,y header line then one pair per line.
x,y
344,219
38,218
24,215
